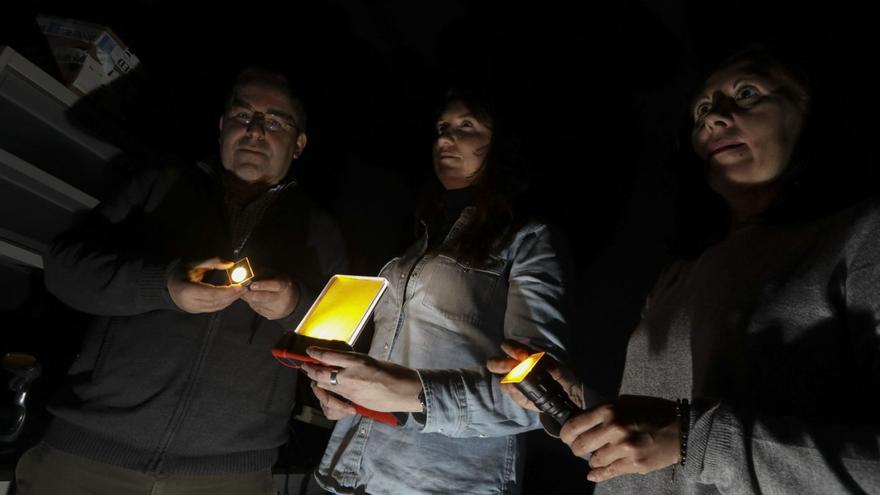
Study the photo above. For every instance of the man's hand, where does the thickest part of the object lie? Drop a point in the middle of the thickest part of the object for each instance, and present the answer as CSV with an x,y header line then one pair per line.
x,y
632,434
191,295
272,298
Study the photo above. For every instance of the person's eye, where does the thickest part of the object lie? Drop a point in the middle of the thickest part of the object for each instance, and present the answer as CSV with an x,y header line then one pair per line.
x,y
442,128
702,109
243,117
466,124
747,94
273,124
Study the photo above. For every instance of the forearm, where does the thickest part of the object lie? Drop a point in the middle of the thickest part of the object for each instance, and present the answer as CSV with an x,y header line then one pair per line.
x,y
98,281
470,403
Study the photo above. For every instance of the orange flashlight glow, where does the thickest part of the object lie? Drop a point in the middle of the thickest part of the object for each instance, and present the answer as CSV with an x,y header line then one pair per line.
x,y
522,370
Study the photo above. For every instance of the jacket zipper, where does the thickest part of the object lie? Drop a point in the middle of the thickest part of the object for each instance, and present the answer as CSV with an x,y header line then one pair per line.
x,y
158,458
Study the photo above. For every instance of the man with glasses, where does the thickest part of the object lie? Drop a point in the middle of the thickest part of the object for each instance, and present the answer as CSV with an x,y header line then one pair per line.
x,y
175,389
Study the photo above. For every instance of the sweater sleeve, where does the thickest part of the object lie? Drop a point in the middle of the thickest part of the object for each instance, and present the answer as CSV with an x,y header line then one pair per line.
x,y
86,269
742,451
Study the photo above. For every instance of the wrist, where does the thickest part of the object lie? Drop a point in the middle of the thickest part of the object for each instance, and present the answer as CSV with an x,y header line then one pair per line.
x,y
422,406
415,393
683,417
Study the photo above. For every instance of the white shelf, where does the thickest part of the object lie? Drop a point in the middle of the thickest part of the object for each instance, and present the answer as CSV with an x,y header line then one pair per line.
x,y
26,85
50,169
26,176
19,255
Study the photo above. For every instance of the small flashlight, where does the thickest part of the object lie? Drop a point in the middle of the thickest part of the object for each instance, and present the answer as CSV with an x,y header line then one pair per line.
x,y
531,378
241,272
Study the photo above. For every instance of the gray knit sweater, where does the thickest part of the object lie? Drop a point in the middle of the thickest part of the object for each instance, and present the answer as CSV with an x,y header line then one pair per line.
x,y
774,335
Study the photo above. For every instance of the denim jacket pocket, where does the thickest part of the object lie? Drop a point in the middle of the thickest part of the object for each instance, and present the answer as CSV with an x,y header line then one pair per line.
x,y
460,292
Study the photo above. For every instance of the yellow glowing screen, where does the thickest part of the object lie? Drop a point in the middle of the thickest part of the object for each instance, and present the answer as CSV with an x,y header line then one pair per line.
x,y
342,308
522,370
241,271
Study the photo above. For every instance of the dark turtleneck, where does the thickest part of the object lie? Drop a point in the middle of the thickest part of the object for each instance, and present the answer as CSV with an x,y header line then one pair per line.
x,y
454,201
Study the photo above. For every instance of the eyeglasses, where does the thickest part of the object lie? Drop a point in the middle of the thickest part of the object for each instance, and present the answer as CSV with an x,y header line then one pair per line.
x,y
269,121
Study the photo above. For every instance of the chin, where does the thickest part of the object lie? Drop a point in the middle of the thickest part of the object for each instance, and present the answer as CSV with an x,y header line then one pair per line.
x,y
249,173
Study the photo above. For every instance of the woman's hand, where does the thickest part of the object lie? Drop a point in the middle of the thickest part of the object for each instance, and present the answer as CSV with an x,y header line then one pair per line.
x,y
333,407
632,434
377,385
516,353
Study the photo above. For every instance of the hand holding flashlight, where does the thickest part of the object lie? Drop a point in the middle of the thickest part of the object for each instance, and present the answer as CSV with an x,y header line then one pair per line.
x,y
631,434
190,294
516,353
273,298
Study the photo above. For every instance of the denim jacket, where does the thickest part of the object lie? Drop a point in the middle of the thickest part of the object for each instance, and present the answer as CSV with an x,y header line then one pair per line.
x,y
444,318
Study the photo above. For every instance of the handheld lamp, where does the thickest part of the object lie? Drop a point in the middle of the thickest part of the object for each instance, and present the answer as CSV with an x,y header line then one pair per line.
x,y
531,378
335,321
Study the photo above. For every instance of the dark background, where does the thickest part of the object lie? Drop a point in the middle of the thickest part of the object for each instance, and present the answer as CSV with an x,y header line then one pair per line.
x,y
598,96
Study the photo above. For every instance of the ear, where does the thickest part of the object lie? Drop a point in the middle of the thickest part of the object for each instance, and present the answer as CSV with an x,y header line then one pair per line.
x,y
301,141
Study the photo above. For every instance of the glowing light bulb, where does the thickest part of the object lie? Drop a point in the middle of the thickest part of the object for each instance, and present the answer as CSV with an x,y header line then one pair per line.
x,y
239,274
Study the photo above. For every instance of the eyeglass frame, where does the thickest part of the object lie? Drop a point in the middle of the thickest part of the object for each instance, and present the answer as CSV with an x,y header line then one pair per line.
x,y
246,115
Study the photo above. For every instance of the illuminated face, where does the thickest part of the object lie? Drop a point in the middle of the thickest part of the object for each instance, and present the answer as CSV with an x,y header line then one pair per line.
x,y
259,136
461,146
746,126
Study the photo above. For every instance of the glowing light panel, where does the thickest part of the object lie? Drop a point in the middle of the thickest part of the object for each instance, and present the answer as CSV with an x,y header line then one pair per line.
x,y
341,310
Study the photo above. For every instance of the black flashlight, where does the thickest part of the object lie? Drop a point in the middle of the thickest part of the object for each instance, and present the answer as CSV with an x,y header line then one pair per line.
x,y
531,378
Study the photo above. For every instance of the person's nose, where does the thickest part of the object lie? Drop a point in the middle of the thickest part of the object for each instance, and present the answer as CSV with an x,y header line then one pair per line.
x,y
720,114
256,128
445,139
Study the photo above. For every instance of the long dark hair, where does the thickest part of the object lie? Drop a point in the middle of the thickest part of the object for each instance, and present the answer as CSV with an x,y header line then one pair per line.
x,y
822,175
495,191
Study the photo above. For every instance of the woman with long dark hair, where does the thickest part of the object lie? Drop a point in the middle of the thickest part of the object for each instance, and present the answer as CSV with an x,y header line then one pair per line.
x,y
480,273
756,366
